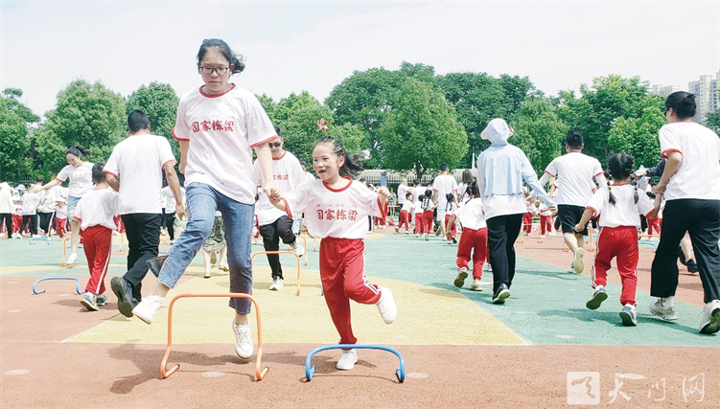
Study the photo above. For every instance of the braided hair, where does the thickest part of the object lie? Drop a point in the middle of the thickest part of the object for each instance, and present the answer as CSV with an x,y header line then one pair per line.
x,y
620,166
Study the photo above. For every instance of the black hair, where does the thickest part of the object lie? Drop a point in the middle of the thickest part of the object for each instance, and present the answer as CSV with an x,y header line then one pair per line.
x,y
621,166
651,195
573,139
97,172
138,120
467,177
39,179
683,103
444,167
77,150
450,197
352,165
474,190
408,194
429,193
416,181
277,129
236,60
303,162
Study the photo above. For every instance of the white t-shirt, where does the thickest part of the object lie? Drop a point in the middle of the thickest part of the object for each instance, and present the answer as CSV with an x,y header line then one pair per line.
x,y
341,213
80,179
169,197
221,130
698,176
407,206
61,212
309,176
288,175
417,192
625,212
30,203
97,208
138,162
471,214
401,192
575,173
544,210
444,184
417,207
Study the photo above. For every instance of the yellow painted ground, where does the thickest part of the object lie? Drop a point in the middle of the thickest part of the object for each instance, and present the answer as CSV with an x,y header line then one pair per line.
x,y
426,316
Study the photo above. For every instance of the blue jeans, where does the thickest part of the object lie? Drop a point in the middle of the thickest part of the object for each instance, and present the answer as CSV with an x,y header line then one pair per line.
x,y
202,201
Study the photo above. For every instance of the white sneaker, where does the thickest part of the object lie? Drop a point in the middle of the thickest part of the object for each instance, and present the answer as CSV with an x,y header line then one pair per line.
x,y
542,236
710,322
243,342
476,286
207,274
386,305
664,309
578,264
297,248
72,259
347,360
277,284
148,307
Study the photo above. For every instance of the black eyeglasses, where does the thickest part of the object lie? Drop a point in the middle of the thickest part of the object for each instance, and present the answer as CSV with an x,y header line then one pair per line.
x,y
210,70
276,144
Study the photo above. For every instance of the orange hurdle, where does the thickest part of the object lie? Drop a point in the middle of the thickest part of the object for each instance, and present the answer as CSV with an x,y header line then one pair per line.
x,y
304,248
259,373
282,252
62,261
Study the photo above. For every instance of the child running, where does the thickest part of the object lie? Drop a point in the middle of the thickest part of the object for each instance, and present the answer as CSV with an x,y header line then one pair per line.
x,y
451,208
619,207
405,213
427,205
472,240
95,212
336,210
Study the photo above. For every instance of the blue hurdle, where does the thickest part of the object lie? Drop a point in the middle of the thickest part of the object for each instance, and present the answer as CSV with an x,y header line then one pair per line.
x,y
77,287
310,370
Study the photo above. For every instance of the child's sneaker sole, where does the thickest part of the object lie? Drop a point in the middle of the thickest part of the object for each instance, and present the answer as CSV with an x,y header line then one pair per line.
x,y
627,319
460,279
594,303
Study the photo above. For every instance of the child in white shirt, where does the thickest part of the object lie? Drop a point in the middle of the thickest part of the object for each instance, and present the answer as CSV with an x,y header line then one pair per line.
x,y
472,240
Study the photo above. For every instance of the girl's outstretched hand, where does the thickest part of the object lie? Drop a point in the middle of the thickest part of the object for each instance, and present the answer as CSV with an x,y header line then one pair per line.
x,y
383,191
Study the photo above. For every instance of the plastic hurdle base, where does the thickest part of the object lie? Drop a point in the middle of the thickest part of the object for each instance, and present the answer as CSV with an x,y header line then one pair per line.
x,y
77,286
47,239
282,252
310,370
259,371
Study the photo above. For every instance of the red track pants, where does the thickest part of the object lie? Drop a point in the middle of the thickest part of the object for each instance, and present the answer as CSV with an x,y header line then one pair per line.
x,y
404,218
342,272
527,223
97,243
545,224
428,220
473,240
450,229
620,242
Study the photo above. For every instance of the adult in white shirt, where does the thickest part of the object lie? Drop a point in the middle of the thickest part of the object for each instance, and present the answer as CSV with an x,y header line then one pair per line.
x,y
170,206
690,185
80,174
218,125
402,191
134,170
275,225
576,177
443,184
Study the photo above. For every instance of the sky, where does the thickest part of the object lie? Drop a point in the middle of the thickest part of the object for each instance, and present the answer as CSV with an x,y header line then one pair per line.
x,y
291,46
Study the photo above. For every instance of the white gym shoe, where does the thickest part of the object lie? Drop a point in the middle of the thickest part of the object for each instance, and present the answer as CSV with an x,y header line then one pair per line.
x,y
207,274
710,322
243,342
386,305
348,360
276,285
297,248
461,276
148,307
578,264
72,259
664,309
476,286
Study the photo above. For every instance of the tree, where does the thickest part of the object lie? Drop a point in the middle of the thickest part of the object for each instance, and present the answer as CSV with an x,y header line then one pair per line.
x,y
298,115
160,102
638,137
14,119
268,105
538,132
422,131
86,114
712,120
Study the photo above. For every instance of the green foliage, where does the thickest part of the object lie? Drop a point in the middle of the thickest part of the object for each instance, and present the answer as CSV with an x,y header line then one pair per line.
x,y
638,137
268,105
14,118
712,120
422,131
351,136
49,154
160,102
538,132
89,115
595,112
297,115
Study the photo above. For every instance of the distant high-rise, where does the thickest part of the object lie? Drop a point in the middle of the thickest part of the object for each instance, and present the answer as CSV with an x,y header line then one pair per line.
x,y
706,95
664,90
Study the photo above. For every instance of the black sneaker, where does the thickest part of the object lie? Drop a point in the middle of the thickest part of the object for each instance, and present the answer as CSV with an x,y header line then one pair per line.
x,y
501,293
692,266
123,291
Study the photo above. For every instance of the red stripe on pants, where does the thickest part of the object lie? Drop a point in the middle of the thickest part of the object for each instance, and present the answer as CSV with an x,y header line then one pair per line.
x,y
427,221
97,243
342,272
473,240
620,242
404,219
545,224
527,223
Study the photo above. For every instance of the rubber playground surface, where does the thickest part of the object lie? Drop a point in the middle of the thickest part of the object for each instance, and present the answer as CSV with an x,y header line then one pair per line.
x,y
542,349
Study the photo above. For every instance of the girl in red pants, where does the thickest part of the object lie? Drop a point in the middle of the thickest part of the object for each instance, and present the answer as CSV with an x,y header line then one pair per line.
x,y
336,210
545,220
619,207
95,212
428,217
473,239
405,214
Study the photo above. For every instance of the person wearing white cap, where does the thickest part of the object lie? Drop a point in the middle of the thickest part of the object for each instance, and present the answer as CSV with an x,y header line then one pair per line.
x,y
502,168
